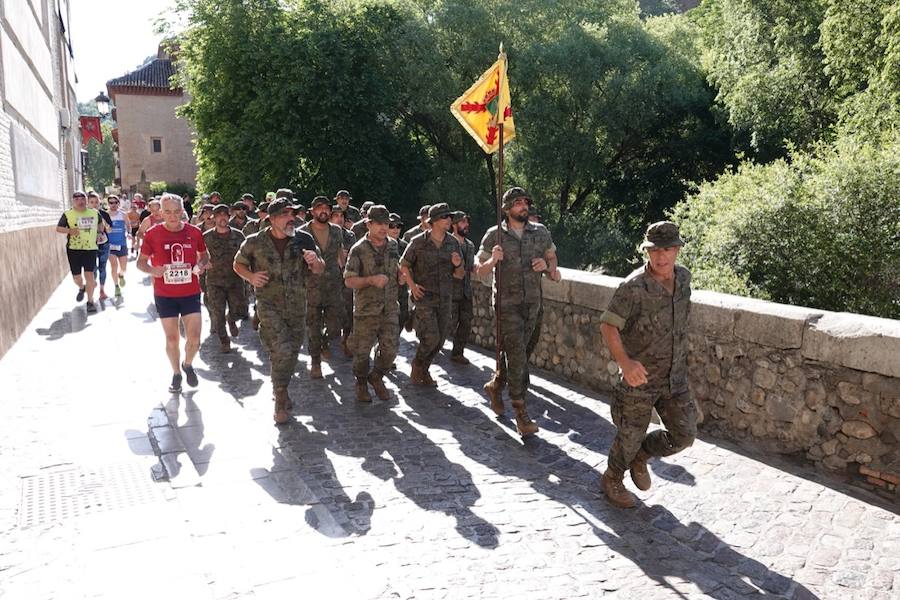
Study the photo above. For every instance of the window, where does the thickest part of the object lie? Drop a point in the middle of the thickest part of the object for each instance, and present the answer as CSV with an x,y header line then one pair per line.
x,y
156,145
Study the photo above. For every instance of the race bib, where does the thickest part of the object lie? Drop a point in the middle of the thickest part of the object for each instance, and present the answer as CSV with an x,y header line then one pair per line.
x,y
115,247
85,223
177,274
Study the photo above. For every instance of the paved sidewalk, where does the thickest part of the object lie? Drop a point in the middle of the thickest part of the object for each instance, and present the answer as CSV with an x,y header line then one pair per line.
x,y
112,488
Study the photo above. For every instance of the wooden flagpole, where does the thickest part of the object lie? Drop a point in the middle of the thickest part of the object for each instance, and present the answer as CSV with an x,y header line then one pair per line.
x,y
497,266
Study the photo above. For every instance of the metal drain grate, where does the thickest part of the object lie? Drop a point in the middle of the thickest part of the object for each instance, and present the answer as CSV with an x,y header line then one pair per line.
x,y
61,495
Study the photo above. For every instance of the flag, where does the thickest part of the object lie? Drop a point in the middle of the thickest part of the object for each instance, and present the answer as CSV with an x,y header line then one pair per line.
x,y
90,128
485,105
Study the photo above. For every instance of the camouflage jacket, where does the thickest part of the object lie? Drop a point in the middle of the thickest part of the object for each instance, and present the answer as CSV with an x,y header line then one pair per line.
x,y
519,283
239,225
360,229
254,226
431,267
222,249
412,232
352,214
653,325
327,287
286,287
365,260
462,288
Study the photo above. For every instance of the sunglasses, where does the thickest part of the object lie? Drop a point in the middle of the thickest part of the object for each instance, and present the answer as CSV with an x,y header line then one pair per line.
x,y
113,201
79,196
393,227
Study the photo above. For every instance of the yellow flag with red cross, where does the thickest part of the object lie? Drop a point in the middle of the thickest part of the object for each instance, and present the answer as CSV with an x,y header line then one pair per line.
x,y
485,105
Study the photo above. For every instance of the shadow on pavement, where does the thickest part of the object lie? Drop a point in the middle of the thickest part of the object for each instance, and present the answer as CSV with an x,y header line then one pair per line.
x,y
650,537
231,370
70,322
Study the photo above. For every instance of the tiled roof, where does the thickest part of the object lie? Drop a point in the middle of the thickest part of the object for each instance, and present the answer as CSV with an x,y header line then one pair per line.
x,y
156,74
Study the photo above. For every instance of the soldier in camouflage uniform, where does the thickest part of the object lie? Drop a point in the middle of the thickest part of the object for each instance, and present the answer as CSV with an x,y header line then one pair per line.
x,y
238,216
524,251
372,273
403,289
249,203
351,213
645,327
339,217
461,312
223,287
324,296
422,227
278,263
430,263
360,227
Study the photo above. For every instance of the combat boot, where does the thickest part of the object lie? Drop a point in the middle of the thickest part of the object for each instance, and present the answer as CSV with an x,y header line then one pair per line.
x,y
416,375
315,368
362,390
233,328
524,424
639,473
282,401
615,491
224,344
494,390
427,379
377,383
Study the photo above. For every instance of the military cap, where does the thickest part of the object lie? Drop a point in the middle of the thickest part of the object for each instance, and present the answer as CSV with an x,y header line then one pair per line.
x,y
270,196
247,196
396,220
342,193
366,206
263,207
423,212
299,208
662,234
337,208
284,193
319,200
239,206
211,194
513,194
208,206
458,216
279,206
220,208
378,213
437,211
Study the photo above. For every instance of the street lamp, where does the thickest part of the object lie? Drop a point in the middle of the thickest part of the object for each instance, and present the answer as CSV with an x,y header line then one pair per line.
x,y
102,104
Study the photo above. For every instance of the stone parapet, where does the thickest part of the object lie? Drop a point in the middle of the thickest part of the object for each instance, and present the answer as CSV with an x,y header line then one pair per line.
x,y
776,378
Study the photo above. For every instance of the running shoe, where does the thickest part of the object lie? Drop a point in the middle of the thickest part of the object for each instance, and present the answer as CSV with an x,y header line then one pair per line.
x,y
118,292
80,295
175,386
190,375
91,307
121,280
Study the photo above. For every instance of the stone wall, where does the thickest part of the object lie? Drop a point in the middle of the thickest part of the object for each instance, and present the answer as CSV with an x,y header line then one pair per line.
x,y
775,378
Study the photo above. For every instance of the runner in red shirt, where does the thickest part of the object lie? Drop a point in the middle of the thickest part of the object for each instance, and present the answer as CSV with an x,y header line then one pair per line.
x,y
174,253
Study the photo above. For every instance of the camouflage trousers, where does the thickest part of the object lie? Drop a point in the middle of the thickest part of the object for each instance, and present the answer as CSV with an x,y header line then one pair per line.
x,y
631,409
403,298
318,318
432,323
218,298
347,320
281,331
519,331
380,331
460,323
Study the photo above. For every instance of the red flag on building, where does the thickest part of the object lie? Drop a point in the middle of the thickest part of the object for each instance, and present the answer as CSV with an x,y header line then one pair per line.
x,y
90,128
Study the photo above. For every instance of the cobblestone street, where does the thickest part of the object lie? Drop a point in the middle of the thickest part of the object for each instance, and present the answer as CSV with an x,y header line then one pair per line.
x,y
112,488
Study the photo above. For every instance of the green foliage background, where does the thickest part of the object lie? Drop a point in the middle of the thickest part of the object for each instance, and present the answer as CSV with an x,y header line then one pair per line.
x,y
625,113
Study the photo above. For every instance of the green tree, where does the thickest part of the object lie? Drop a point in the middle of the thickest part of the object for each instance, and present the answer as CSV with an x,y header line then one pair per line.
x,y
101,161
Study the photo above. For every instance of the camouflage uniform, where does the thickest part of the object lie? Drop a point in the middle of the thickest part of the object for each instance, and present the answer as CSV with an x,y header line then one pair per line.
x,y
403,290
375,310
359,229
223,286
347,321
409,234
520,297
653,328
281,303
431,267
461,310
325,292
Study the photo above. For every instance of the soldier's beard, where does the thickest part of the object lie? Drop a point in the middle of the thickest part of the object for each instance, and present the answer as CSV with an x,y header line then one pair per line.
x,y
521,218
323,217
288,231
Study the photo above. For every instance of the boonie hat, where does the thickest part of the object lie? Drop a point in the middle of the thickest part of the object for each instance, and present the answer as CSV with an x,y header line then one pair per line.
x,y
342,193
284,193
239,206
279,206
379,214
366,206
318,201
264,207
219,208
423,212
662,234
457,216
438,211
396,220
513,194
247,197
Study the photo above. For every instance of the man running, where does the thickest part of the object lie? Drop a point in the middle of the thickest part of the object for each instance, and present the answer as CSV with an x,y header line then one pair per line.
x,y
80,224
118,243
174,254
224,289
153,218
462,311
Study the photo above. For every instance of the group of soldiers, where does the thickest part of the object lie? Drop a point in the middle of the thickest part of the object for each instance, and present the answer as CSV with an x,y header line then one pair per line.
x,y
346,273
